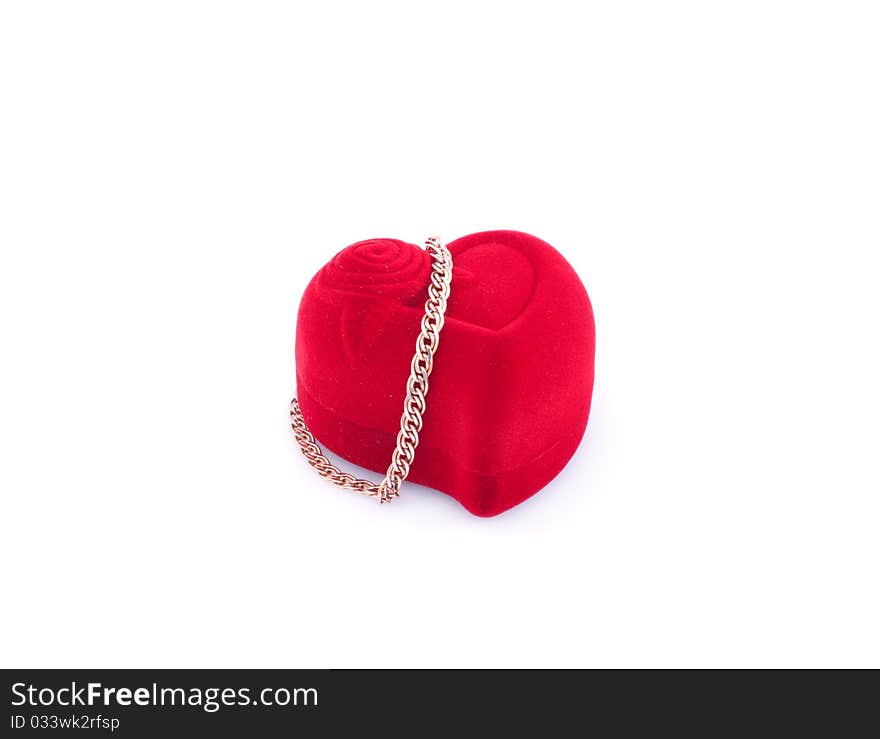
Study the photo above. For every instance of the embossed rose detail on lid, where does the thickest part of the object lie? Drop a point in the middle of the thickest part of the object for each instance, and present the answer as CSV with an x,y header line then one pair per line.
x,y
380,276
385,268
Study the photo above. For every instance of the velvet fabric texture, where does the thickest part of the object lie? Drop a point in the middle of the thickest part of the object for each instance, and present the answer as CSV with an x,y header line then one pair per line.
x,y
510,394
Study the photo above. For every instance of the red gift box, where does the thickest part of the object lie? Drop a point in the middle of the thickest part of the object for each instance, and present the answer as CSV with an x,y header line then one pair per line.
x,y
513,375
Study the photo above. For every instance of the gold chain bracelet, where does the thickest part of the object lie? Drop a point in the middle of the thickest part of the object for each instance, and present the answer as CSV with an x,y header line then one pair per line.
x,y
416,393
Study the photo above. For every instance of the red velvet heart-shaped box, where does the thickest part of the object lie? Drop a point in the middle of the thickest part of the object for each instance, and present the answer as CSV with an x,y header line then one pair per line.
x,y
513,375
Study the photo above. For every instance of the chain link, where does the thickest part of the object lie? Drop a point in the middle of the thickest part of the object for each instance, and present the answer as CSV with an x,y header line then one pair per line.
x,y
416,394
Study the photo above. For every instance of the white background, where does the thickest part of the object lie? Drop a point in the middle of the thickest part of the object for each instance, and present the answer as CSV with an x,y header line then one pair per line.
x,y
173,173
